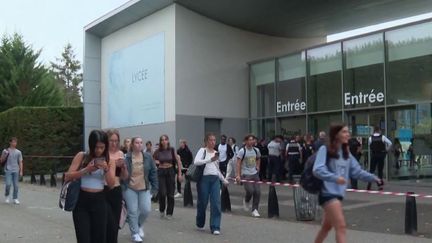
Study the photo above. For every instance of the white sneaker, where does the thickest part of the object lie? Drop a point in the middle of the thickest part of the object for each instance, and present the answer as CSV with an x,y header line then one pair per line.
x,y
255,214
136,238
216,232
162,215
7,199
246,205
141,232
178,195
16,201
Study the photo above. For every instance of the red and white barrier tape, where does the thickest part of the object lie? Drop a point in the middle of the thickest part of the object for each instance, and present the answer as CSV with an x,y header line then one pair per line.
x,y
348,190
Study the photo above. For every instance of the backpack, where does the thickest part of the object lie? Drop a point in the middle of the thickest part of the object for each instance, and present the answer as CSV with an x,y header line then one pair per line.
x,y
244,154
308,180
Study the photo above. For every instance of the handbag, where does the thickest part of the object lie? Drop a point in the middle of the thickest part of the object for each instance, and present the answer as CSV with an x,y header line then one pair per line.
x,y
123,215
195,172
69,193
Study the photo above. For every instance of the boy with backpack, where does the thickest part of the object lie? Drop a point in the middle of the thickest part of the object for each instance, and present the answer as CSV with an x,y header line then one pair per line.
x,y
248,164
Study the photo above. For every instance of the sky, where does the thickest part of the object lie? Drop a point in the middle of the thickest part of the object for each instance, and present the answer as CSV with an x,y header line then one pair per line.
x,y
50,24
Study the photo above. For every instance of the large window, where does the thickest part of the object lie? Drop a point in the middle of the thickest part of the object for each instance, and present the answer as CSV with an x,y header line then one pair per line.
x,y
262,93
318,123
364,72
291,88
264,128
324,83
291,126
410,64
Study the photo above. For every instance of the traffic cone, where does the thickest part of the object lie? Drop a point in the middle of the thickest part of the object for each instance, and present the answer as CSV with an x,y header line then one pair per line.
x,y
187,195
273,204
225,199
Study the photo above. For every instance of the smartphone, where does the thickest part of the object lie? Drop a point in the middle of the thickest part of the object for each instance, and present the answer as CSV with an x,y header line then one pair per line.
x,y
217,154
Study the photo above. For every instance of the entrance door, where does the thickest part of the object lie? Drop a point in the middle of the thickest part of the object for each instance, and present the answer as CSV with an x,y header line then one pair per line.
x,y
361,125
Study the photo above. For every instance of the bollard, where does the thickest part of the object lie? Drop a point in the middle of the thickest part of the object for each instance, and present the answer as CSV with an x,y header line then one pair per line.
x,y
42,180
273,204
187,195
225,199
32,179
53,180
410,214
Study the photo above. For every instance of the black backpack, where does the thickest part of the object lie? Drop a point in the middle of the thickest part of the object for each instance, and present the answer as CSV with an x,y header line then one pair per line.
x,y
308,180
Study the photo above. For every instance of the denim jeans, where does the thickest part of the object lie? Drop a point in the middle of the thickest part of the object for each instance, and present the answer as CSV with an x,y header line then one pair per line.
x,y
209,188
11,178
138,204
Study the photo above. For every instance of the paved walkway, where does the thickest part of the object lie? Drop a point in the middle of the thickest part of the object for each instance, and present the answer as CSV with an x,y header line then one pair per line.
x,y
38,219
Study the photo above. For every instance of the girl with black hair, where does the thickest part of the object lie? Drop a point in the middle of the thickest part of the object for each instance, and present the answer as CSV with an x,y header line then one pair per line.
x,y
93,169
335,165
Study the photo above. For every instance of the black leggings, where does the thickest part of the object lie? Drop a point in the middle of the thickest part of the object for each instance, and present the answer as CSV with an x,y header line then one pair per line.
x,y
166,190
114,200
90,217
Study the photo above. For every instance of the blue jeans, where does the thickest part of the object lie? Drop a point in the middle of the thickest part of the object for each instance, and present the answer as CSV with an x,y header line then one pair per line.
x,y
11,177
209,188
138,204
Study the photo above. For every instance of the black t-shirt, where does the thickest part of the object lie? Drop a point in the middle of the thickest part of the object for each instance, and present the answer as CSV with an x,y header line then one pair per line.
x,y
353,147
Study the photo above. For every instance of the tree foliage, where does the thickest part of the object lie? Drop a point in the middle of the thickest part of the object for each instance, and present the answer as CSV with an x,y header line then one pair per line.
x,y
24,81
67,73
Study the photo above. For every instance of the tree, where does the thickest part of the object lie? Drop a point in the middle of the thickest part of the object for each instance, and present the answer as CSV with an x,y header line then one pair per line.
x,y
24,81
67,73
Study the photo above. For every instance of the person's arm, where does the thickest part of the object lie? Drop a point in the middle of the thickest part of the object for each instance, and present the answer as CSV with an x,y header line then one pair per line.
x,y
199,160
109,170
239,164
153,178
387,142
73,173
179,167
320,168
258,160
21,168
155,158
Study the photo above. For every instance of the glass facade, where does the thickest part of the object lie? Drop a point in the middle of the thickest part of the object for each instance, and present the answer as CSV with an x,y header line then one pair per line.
x,y
382,79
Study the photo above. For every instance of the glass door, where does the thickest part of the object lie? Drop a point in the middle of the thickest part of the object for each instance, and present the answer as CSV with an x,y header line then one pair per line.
x,y
361,125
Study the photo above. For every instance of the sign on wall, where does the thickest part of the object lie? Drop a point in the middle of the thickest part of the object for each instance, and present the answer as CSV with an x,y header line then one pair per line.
x,y
136,84
371,97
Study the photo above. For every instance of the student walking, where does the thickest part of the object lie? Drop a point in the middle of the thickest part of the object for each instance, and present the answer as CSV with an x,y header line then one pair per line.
x,y
209,186
186,158
13,168
248,165
138,187
166,158
275,159
114,196
335,166
92,168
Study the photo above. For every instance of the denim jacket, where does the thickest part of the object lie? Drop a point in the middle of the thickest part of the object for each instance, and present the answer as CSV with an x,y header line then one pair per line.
x,y
150,172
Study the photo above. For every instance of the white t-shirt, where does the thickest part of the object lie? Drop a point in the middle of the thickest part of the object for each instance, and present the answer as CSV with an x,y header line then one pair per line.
x,y
222,152
274,148
211,168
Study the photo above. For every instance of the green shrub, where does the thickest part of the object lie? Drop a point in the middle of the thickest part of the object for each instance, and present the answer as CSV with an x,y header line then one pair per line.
x,y
43,131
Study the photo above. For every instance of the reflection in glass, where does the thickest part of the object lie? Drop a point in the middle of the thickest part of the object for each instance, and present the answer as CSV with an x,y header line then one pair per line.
x,y
364,71
324,83
292,126
410,64
262,93
318,123
291,89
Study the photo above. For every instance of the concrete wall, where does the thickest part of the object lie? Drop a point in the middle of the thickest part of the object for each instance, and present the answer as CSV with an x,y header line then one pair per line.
x,y
92,84
212,72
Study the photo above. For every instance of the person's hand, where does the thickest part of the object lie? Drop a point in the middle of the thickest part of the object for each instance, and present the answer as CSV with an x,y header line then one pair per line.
x,y
120,163
21,173
214,158
341,180
238,179
180,178
225,182
91,167
102,165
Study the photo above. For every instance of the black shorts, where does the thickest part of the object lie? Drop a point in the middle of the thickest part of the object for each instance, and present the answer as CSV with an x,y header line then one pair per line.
x,y
324,199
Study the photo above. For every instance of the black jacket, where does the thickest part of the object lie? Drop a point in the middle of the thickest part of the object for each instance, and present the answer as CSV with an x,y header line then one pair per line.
x,y
185,156
230,152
